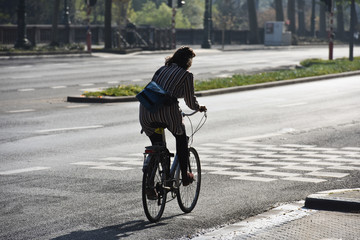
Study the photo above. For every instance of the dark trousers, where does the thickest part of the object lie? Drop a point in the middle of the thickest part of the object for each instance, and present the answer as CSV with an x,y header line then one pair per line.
x,y
181,150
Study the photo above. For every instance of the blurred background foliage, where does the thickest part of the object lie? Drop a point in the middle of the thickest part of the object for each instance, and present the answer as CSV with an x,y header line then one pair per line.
x,y
227,14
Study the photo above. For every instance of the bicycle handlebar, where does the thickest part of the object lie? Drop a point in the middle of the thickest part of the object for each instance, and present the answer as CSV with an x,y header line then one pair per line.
x,y
190,114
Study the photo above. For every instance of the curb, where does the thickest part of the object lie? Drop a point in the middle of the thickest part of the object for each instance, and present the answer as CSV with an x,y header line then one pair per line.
x,y
331,201
108,99
44,55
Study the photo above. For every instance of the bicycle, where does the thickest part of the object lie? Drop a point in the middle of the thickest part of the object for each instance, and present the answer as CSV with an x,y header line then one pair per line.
x,y
160,178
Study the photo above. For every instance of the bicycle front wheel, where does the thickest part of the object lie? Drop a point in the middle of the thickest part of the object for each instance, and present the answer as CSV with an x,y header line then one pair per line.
x,y
187,196
153,193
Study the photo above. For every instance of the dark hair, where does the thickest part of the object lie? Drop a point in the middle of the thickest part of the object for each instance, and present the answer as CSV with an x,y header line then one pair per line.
x,y
182,57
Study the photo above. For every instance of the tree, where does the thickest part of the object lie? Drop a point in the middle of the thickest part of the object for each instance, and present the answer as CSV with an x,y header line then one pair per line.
x,y
301,17
158,17
54,29
291,16
340,20
312,20
253,25
193,12
7,11
322,30
279,10
108,30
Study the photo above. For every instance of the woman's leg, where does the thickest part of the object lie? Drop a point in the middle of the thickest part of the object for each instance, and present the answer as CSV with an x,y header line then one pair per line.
x,y
183,155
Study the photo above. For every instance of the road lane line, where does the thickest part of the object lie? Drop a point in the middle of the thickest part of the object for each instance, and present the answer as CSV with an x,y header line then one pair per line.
x,y
26,89
78,106
58,87
24,170
21,111
69,129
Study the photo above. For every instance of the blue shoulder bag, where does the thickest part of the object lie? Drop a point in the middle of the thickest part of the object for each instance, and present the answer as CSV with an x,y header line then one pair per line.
x,y
153,97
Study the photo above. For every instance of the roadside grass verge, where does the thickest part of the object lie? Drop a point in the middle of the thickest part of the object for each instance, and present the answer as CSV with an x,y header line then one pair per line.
x,y
307,68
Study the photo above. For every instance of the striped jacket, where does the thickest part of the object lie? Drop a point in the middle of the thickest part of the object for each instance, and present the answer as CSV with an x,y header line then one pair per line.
x,y
179,83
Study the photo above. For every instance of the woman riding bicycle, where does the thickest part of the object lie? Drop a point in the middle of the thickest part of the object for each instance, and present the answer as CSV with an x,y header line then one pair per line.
x,y
174,78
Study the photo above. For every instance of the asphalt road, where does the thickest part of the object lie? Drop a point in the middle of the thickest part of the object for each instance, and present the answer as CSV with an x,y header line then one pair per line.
x,y
73,171
41,82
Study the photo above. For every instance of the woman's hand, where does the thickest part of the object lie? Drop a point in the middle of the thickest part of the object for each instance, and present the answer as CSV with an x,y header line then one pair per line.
x,y
202,109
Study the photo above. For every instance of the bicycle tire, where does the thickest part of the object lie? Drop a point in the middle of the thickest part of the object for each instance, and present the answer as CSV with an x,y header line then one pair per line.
x,y
188,196
153,208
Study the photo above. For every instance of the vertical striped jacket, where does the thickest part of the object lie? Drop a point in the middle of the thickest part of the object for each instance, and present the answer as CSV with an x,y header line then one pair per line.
x,y
179,83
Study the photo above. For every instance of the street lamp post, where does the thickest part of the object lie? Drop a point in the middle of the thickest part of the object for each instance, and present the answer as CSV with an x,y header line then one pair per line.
x,y
207,25
21,41
66,21
352,26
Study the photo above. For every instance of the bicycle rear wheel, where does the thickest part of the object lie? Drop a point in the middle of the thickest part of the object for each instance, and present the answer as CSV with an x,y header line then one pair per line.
x,y
187,196
152,183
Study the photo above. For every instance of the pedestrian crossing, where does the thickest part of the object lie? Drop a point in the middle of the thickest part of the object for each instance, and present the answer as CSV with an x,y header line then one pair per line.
x,y
244,160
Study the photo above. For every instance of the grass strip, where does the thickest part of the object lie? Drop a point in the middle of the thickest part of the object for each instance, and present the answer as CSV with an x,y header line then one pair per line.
x,y
308,68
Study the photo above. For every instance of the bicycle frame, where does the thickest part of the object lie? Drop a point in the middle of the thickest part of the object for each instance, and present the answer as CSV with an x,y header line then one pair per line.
x,y
151,151
161,177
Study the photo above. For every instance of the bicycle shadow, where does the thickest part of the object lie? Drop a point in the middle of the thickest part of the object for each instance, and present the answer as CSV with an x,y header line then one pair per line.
x,y
114,232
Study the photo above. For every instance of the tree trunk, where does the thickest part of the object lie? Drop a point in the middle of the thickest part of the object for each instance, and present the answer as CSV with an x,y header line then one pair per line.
x,y
340,29
54,29
291,16
253,25
301,17
279,10
322,30
108,31
313,14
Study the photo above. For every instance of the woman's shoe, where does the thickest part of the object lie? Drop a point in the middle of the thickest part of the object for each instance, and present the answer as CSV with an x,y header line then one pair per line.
x,y
151,194
188,180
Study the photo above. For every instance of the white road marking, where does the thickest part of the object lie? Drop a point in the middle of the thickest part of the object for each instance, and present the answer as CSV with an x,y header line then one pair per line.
x,y
257,179
279,174
120,159
351,148
69,129
328,174
346,168
91,163
112,168
58,87
302,168
231,173
302,179
21,111
23,170
213,169
255,168
26,89
78,106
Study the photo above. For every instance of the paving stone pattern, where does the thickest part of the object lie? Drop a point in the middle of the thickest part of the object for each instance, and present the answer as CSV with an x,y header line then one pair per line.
x,y
320,225
251,161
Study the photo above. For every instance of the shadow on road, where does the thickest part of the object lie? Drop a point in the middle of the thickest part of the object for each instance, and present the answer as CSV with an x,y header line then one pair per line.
x,y
120,231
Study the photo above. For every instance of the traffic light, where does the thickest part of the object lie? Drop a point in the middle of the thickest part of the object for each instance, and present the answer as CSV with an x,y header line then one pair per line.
x,y
328,3
180,3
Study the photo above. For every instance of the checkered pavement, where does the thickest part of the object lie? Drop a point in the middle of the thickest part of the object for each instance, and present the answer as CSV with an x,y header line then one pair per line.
x,y
239,159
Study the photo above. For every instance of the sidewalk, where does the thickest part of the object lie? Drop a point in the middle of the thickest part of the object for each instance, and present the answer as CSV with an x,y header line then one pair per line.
x,y
326,215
